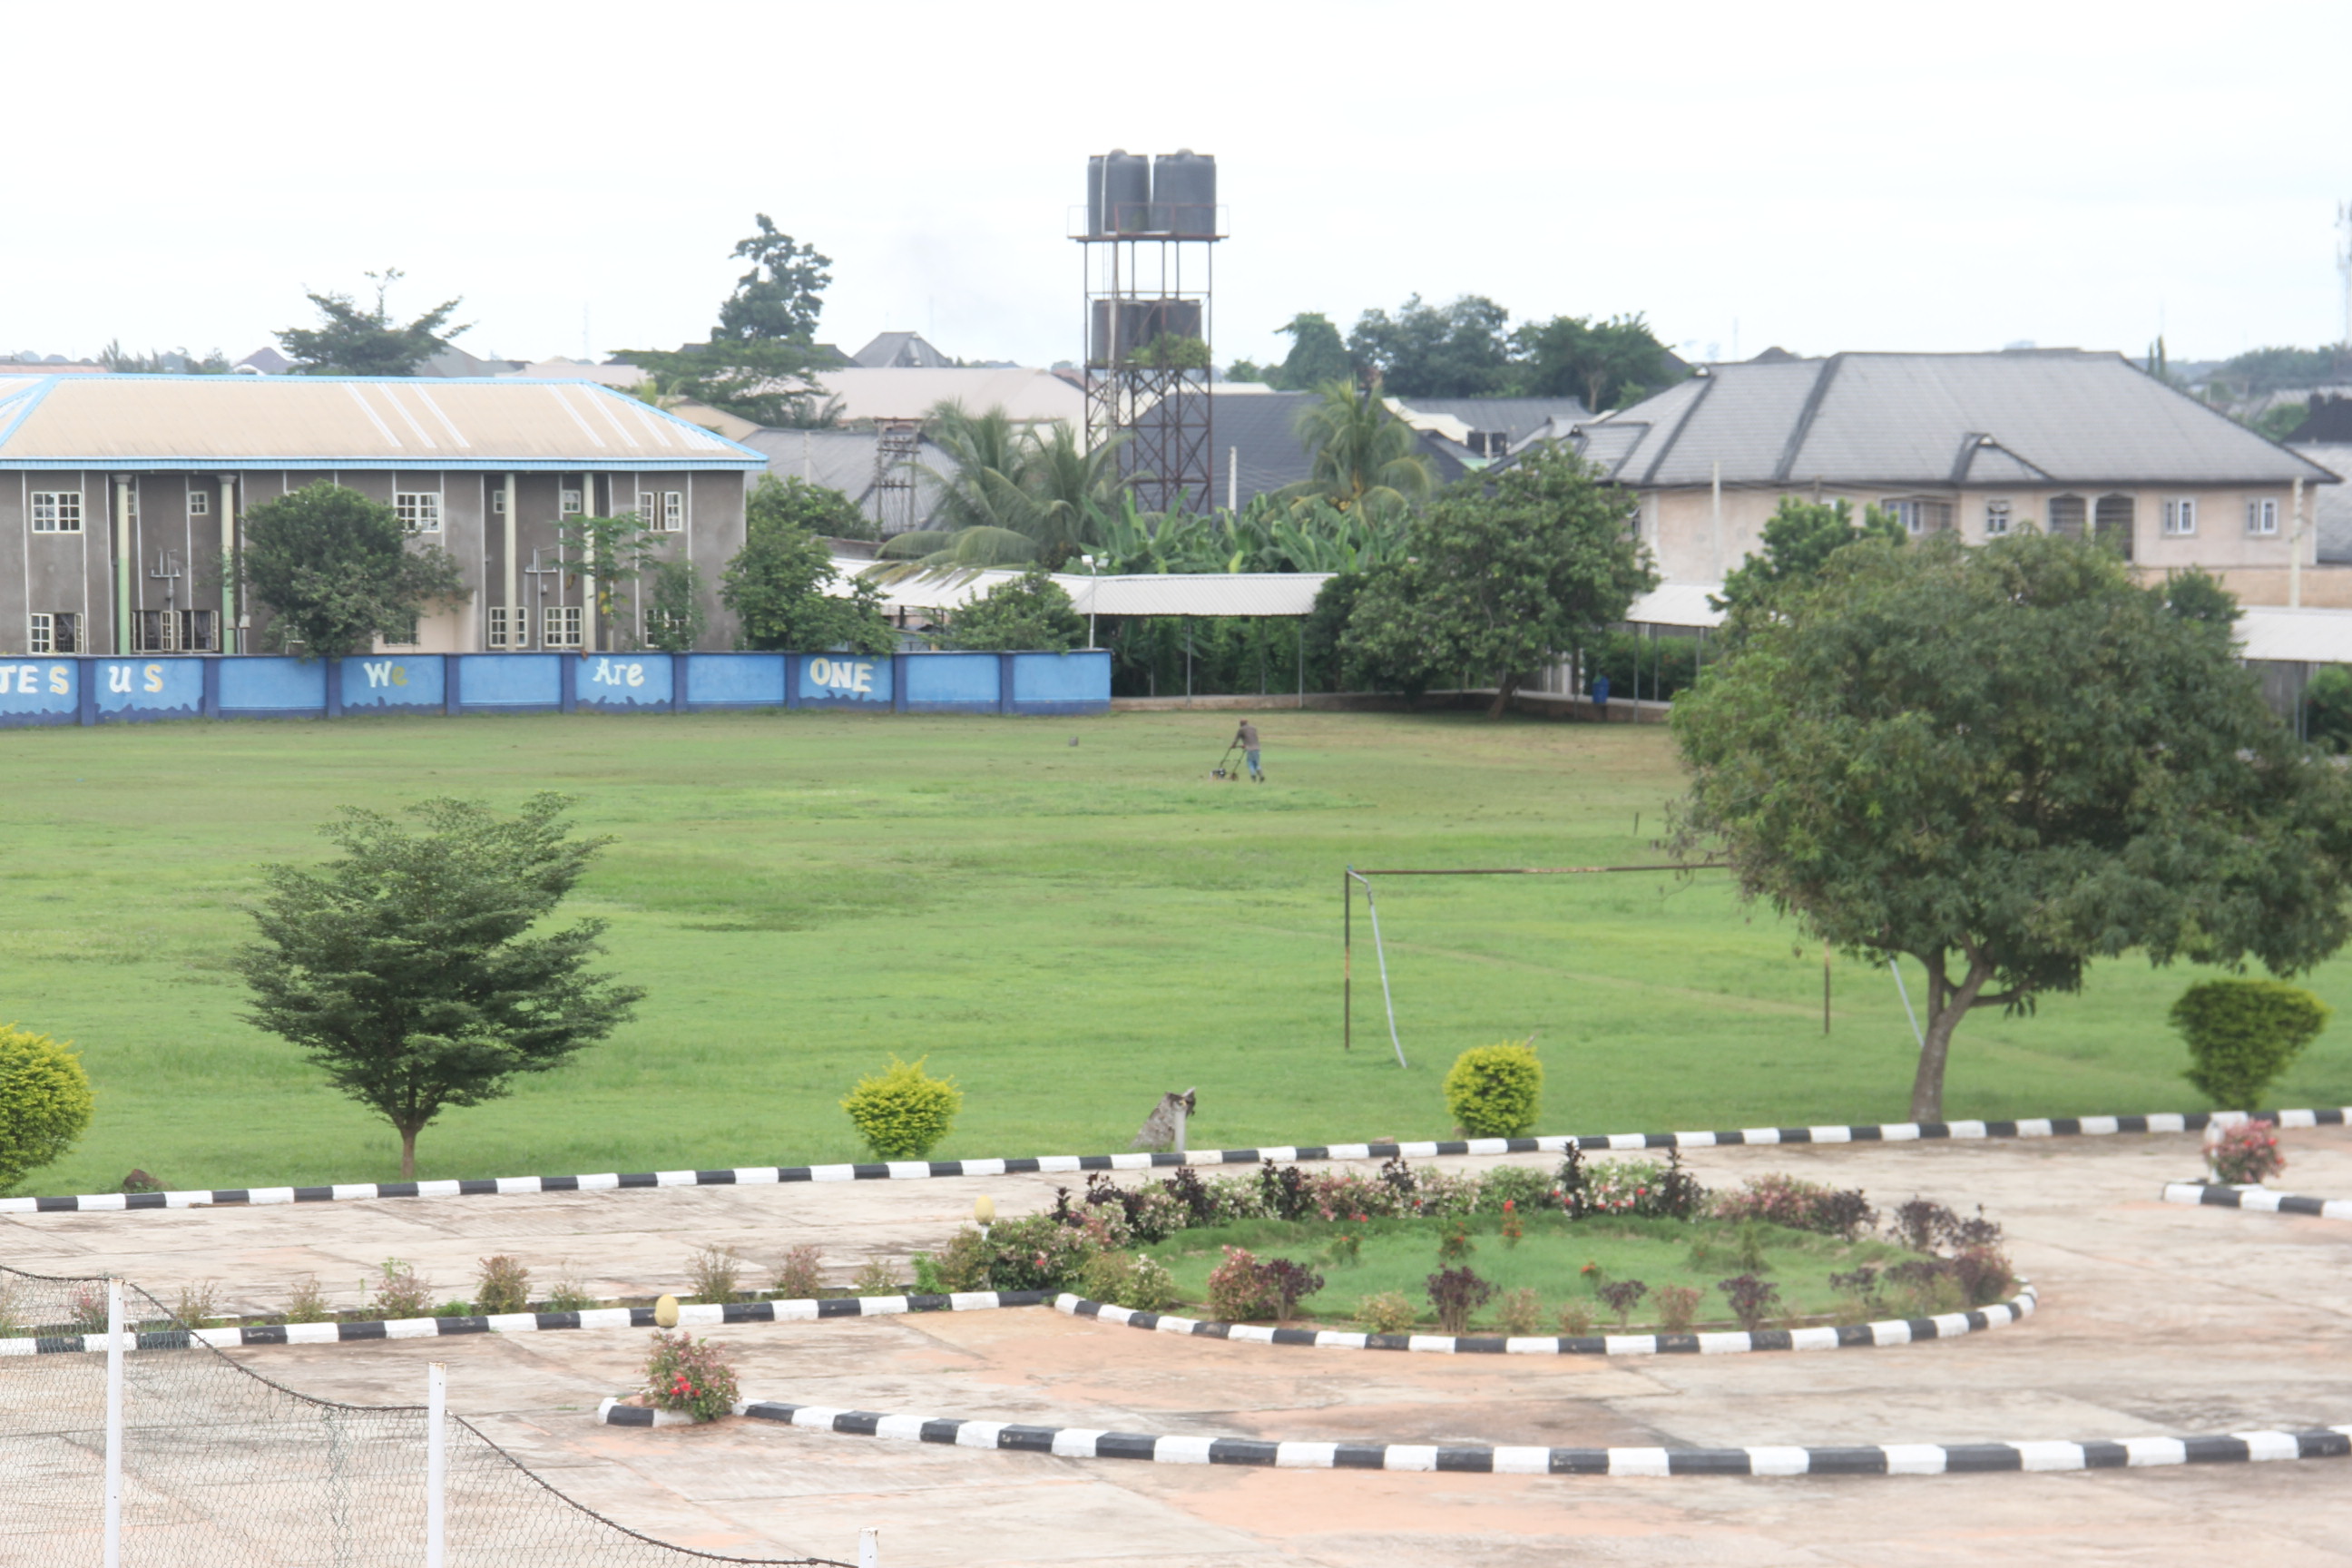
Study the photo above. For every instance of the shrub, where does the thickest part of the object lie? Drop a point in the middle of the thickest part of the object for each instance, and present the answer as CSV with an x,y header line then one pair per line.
x,y
1030,1253
1347,1248
2242,1034
88,1311
1390,1313
2246,1154
308,1303
1926,1288
1514,1228
503,1285
1639,1187
1523,1188
196,1306
1456,1293
1493,1090
1920,1224
1521,1312
44,1102
1860,1289
1621,1296
1576,1319
570,1296
875,1277
1984,1275
1453,1244
1799,1206
1242,1288
1752,1299
400,1291
962,1265
717,1273
902,1113
1126,1280
1677,1307
800,1274
689,1374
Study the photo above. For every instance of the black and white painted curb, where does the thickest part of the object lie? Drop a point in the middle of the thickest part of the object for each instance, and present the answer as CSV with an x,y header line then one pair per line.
x,y
1857,1336
1873,1460
1056,1165
707,1315
2257,1198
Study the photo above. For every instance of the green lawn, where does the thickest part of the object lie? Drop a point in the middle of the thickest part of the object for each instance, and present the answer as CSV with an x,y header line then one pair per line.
x,y
1068,930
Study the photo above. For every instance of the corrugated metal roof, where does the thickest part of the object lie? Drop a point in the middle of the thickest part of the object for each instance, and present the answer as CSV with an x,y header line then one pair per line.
x,y
2295,637
1026,395
1517,417
1676,605
181,421
2079,418
1201,593
844,460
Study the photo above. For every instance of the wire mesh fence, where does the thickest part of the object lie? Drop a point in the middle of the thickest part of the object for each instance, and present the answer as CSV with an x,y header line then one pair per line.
x,y
223,1468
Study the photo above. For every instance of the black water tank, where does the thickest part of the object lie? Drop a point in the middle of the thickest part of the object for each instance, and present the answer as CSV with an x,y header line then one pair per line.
x,y
1185,193
1125,194
1095,195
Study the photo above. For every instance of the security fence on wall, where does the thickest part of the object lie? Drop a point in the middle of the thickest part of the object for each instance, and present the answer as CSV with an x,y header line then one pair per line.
x,y
171,1455
38,690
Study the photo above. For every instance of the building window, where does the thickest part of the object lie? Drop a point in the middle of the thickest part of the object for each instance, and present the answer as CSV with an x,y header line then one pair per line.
x,y
154,631
2262,516
53,633
200,631
1922,516
2180,516
559,627
509,622
498,500
57,511
672,511
420,510
571,503
1996,519
200,502
2067,515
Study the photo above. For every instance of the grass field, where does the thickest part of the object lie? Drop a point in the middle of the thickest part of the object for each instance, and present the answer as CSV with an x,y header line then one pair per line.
x,y
1066,929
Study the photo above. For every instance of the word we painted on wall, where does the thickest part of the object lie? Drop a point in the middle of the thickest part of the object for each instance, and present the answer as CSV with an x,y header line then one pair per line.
x,y
842,675
385,673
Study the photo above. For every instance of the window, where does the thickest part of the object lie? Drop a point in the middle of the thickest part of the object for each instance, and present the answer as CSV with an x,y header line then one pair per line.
x,y
1922,516
2113,524
155,631
1996,519
673,512
509,623
498,501
2180,516
57,511
559,627
200,631
2067,515
200,502
571,503
420,510
2262,516
52,633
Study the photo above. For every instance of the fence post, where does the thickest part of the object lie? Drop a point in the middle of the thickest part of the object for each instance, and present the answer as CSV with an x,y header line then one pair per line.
x,y
436,1461
85,691
869,1548
113,1549
453,684
680,681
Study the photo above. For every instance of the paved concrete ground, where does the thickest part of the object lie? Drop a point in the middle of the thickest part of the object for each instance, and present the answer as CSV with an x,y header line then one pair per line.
x,y
2155,1319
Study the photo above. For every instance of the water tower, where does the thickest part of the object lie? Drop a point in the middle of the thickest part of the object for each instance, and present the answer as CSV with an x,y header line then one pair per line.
x,y
1148,236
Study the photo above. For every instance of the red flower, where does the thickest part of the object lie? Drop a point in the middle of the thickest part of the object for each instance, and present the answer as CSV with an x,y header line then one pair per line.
x,y
1507,1205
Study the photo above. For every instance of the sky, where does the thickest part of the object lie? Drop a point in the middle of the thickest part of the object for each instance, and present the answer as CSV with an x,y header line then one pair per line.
x,y
1816,176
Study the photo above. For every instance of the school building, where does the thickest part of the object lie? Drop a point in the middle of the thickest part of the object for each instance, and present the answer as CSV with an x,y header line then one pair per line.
x,y
121,498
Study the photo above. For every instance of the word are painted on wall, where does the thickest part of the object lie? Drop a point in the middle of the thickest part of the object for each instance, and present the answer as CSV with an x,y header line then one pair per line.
x,y
118,678
617,672
842,675
385,673
25,680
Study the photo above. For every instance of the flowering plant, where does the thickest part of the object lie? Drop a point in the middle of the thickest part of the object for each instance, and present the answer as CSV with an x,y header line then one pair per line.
x,y
2246,1154
1513,1226
689,1374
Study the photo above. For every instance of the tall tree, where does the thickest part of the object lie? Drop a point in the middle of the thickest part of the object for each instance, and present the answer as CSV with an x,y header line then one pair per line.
x,y
1460,350
777,584
1799,537
609,553
780,299
1031,614
1365,458
2004,762
1504,571
675,618
1609,364
337,570
352,339
408,969
1317,355
1010,494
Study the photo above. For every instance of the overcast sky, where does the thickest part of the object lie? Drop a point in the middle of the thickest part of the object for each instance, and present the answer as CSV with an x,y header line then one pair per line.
x,y
1820,176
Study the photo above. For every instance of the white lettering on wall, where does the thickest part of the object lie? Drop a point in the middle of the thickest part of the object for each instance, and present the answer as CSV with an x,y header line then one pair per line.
x,y
842,675
7,672
625,672
117,678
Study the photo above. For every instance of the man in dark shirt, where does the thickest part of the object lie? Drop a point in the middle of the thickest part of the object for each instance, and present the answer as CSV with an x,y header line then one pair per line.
x,y
1246,739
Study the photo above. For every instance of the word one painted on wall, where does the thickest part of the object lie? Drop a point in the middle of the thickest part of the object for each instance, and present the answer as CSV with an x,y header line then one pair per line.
x,y
843,675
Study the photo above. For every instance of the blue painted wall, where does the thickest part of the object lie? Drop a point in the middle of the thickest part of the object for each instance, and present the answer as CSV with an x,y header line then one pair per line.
x,y
94,690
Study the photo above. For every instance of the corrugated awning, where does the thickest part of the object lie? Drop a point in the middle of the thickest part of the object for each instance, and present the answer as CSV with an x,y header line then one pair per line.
x,y
1198,594
2295,637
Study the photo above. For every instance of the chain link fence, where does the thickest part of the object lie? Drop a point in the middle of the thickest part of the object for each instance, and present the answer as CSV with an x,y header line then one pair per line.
x,y
221,1467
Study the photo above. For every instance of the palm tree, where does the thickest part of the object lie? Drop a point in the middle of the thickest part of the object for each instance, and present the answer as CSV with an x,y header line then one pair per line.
x,y
1366,458
1012,496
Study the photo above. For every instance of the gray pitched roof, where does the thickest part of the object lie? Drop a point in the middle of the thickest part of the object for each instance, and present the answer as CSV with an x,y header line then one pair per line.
x,y
1256,435
900,350
2041,416
1518,417
844,460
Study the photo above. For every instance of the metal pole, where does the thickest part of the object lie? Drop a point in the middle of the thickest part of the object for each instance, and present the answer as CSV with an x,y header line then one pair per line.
x,y
869,1548
436,1461
1380,951
1905,992
1825,988
113,1545
1346,962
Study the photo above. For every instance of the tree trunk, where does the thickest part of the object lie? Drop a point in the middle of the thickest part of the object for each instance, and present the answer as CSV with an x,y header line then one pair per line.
x,y
409,1154
1946,1005
1505,689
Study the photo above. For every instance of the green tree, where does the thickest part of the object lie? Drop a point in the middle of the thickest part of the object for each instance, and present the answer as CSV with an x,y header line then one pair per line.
x,y
2327,707
351,340
1030,614
1317,355
610,553
408,969
1799,537
1610,364
2242,1034
1364,457
780,299
44,1102
2003,762
776,585
821,511
675,618
1460,350
763,379
337,570
1503,571
1010,495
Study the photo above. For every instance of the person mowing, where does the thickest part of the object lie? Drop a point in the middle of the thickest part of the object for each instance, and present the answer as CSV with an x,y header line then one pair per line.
x,y
1246,739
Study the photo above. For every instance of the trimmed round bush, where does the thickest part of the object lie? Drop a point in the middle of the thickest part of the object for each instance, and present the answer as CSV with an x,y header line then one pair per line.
x,y
902,1112
44,1102
2242,1034
1493,1090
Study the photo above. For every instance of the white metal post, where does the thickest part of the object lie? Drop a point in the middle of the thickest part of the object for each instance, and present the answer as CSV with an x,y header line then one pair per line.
x,y
113,1553
869,1548
436,1461
1904,992
1382,953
